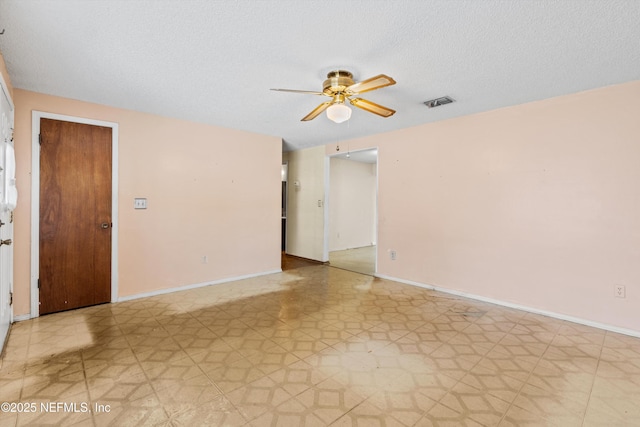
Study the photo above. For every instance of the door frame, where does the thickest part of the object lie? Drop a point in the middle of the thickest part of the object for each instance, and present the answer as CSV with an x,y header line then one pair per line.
x,y
35,201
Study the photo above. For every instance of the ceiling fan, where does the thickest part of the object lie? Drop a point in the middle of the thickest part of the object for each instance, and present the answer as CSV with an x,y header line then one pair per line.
x,y
340,87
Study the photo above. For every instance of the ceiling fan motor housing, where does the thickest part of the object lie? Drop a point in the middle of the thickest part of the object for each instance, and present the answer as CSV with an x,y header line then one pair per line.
x,y
337,82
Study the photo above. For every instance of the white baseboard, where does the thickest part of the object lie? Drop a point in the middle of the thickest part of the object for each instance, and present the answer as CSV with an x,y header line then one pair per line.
x,y
347,248
22,317
559,316
195,285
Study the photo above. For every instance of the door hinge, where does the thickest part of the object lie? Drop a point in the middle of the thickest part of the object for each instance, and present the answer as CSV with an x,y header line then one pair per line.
x,y
38,283
40,138
10,298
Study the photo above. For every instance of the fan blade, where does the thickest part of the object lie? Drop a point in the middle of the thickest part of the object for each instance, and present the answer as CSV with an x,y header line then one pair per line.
x,y
301,91
316,112
371,84
372,107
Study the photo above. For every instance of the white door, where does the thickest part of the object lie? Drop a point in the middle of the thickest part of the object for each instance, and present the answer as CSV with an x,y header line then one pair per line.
x,y
6,215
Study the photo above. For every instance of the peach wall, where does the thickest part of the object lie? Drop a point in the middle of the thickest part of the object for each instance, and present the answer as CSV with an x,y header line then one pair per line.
x,y
535,205
211,192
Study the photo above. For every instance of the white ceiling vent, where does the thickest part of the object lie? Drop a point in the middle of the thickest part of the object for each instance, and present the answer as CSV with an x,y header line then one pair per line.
x,y
439,101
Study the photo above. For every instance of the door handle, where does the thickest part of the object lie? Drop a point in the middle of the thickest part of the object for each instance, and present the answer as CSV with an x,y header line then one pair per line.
x,y
104,225
7,242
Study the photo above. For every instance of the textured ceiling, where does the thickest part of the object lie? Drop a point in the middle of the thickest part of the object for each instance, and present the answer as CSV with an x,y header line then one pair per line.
x,y
214,61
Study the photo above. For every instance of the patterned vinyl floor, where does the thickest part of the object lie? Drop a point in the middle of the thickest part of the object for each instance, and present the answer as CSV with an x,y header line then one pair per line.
x,y
315,346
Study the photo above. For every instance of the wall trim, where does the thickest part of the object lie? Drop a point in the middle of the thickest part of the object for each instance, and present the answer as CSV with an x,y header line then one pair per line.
x,y
35,201
195,285
551,314
4,87
21,317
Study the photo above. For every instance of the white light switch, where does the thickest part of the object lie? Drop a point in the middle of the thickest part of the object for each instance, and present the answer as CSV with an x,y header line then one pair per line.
x,y
139,203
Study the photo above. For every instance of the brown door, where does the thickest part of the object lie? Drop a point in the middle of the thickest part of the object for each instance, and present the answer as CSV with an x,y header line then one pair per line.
x,y
75,215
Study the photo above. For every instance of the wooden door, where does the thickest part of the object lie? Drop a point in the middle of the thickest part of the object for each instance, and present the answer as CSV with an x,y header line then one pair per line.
x,y
75,215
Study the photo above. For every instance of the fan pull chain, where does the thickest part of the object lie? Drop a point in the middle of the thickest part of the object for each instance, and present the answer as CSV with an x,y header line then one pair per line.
x,y
348,127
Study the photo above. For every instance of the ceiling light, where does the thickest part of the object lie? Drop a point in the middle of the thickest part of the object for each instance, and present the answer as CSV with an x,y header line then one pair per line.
x,y
338,113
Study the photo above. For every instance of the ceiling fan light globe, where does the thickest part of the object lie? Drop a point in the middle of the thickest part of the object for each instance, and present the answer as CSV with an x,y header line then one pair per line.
x,y
339,113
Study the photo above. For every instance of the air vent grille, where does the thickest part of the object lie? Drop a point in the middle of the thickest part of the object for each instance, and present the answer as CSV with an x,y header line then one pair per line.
x,y
439,101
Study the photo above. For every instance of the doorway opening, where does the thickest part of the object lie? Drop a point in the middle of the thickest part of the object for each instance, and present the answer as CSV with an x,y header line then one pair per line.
x,y
352,213
284,173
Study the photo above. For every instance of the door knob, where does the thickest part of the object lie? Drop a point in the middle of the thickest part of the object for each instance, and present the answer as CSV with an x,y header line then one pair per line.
x,y
6,242
104,225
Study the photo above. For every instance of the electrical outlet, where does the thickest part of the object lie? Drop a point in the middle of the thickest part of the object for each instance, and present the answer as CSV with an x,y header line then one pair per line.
x,y
139,203
392,255
620,291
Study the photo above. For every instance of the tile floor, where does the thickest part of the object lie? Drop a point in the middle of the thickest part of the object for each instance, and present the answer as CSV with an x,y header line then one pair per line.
x,y
317,346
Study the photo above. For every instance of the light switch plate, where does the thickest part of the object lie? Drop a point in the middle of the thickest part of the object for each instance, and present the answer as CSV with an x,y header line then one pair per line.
x,y
139,203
